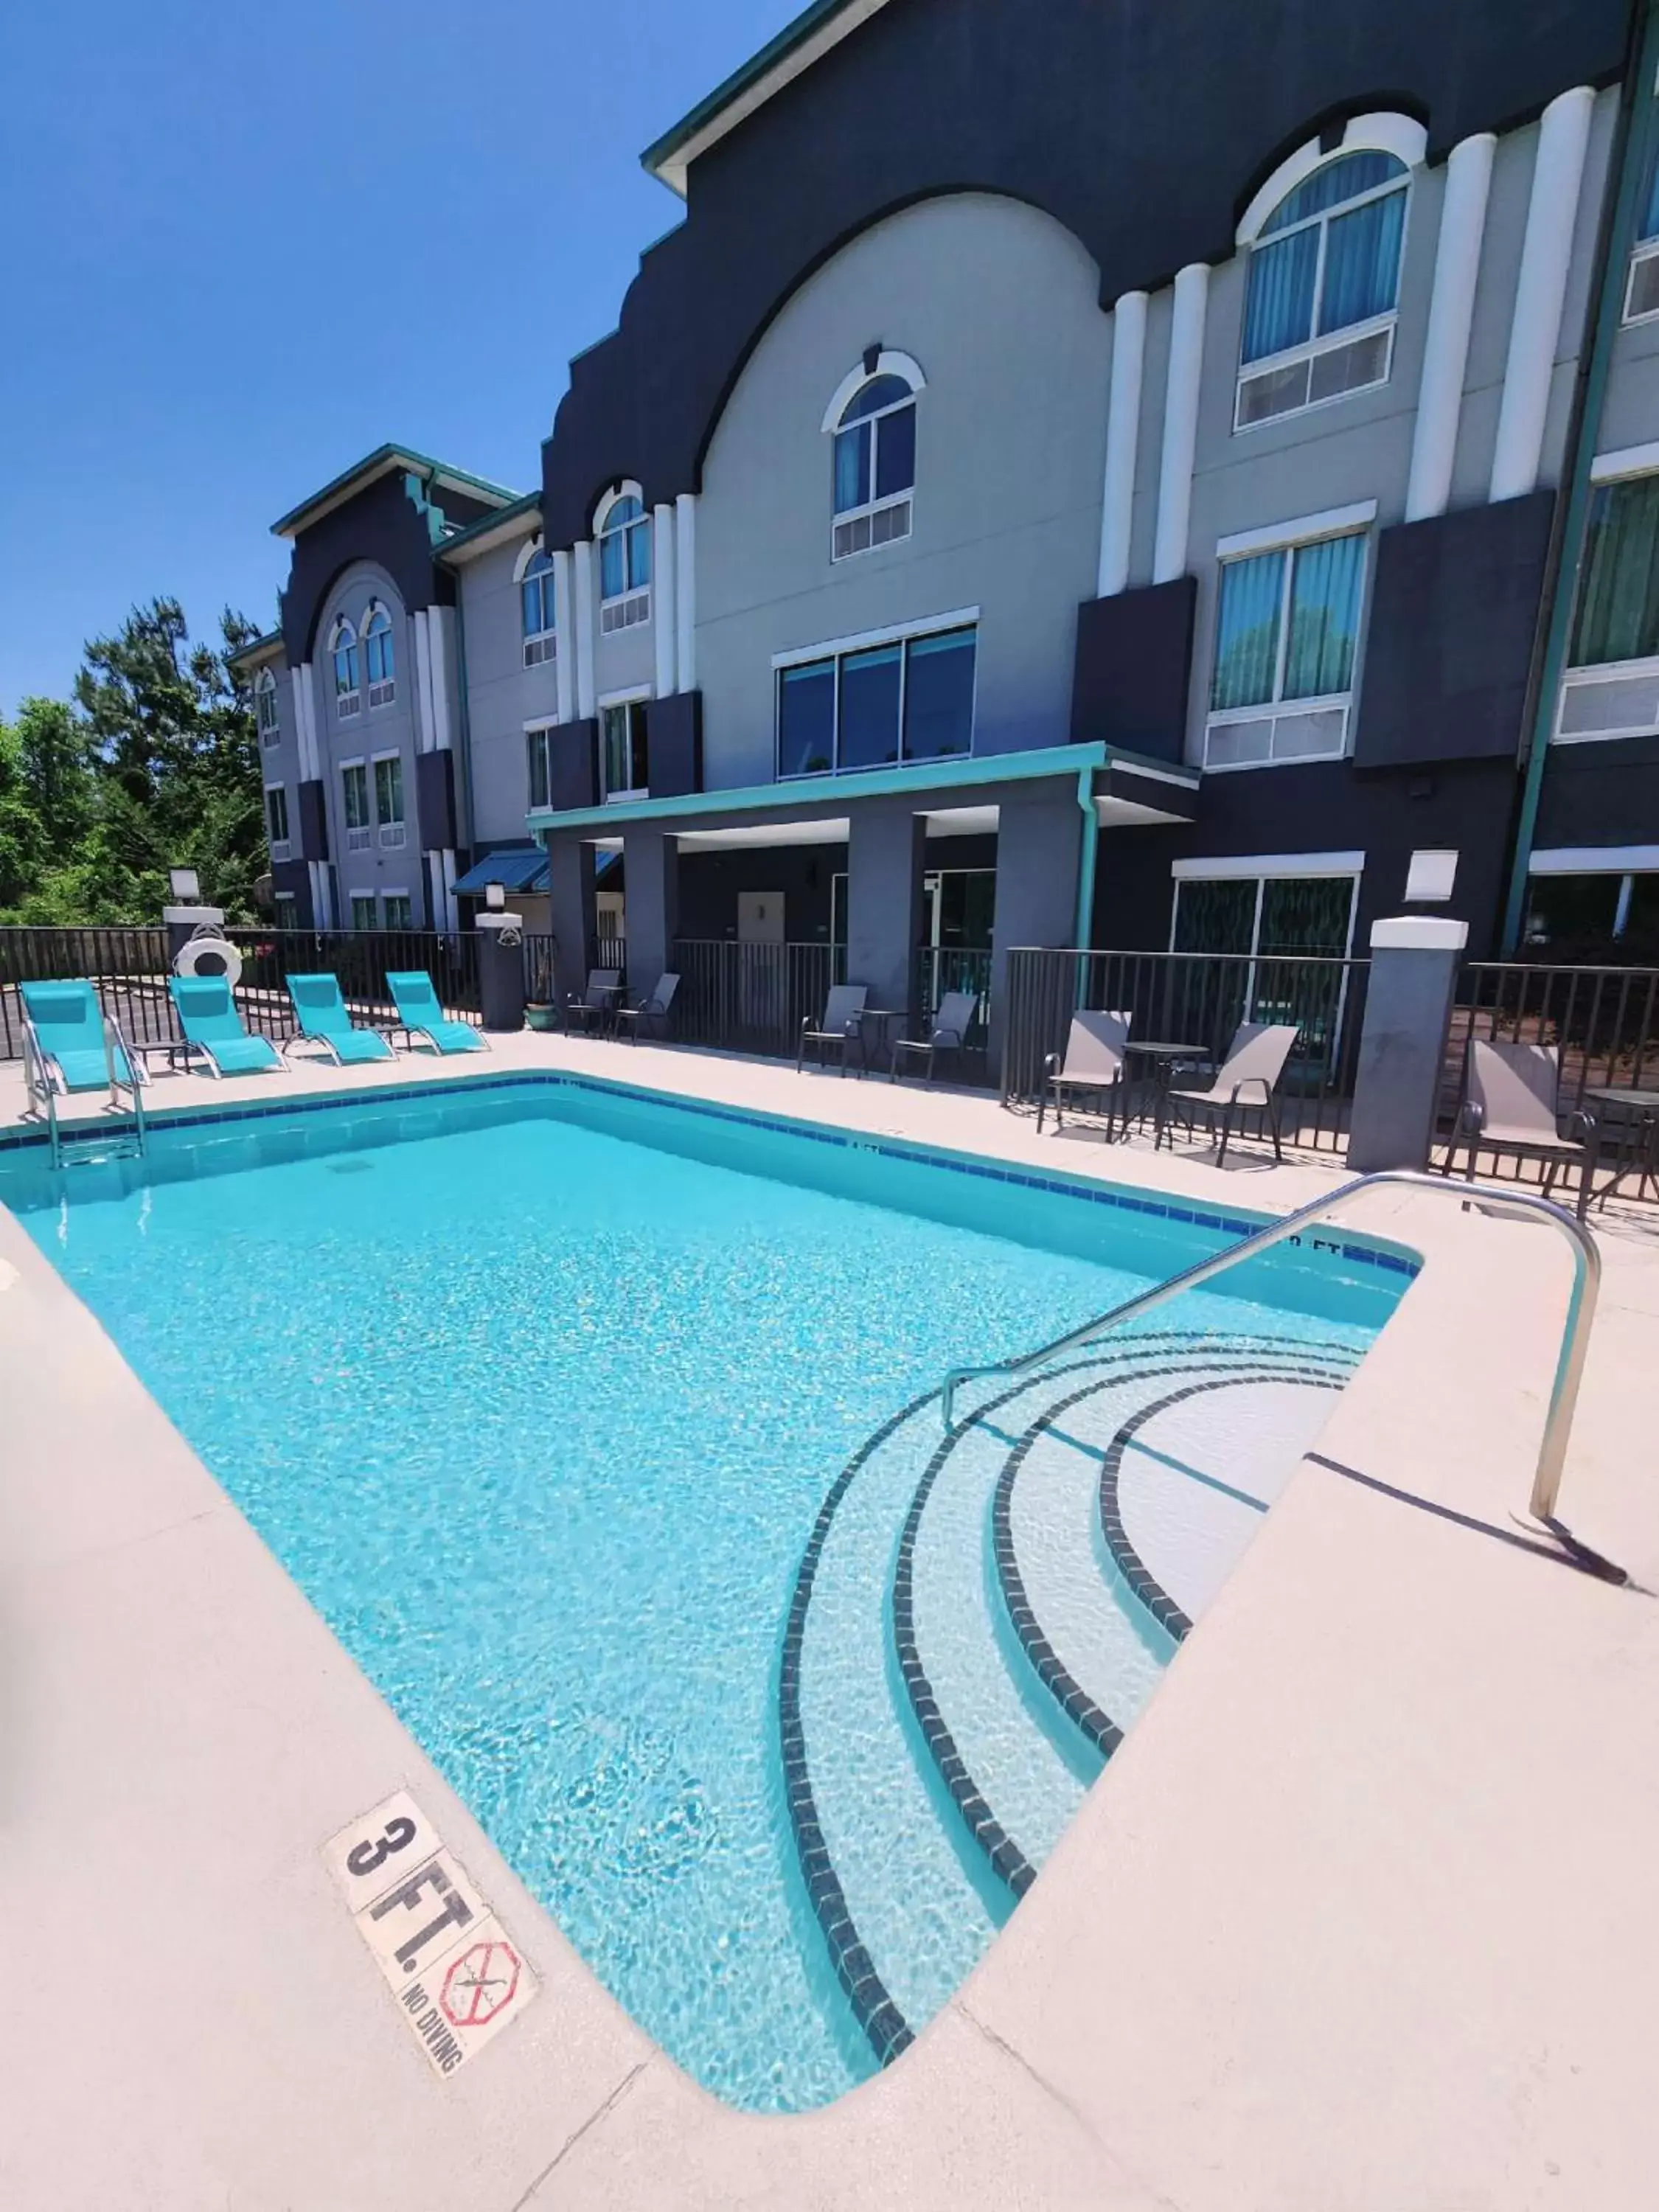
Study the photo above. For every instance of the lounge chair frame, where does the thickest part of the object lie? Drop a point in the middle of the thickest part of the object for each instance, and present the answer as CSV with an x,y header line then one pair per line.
x,y
1090,1033
1233,1093
1544,1144
828,1034
946,1032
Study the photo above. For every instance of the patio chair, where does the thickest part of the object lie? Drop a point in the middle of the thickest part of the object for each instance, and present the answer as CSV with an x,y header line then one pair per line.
x,y
842,1025
658,1008
594,1006
946,1032
421,1014
214,1032
1511,1104
1093,1064
1247,1081
324,1019
70,1043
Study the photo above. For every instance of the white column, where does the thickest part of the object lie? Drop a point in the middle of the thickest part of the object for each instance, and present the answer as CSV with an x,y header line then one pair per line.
x,y
452,904
1175,475
305,723
685,600
437,622
664,610
1122,431
1451,310
564,660
582,628
1552,213
424,723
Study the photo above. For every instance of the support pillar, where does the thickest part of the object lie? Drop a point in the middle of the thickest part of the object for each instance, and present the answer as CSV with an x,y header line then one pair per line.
x,y
651,862
884,852
1039,854
1414,963
574,917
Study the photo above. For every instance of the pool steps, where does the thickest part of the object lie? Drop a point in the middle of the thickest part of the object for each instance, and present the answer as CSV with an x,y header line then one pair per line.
x,y
972,1629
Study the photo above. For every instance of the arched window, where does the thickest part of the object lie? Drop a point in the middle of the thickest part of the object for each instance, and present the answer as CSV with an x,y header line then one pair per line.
x,y
536,603
377,647
344,646
873,422
265,706
1324,287
624,561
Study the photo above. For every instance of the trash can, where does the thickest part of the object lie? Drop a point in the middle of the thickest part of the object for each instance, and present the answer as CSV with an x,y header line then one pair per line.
x,y
500,970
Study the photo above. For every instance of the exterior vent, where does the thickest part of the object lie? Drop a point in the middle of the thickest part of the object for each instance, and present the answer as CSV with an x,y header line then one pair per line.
x,y
346,704
625,614
1354,366
1293,734
280,850
359,840
382,695
391,833
1641,293
862,532
539,649
1621,702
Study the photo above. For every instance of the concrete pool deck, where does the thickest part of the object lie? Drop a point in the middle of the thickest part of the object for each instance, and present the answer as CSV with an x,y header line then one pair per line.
x,y
1359,1917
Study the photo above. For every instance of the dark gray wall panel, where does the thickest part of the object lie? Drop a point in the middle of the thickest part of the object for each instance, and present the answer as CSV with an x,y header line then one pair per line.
x,y
673,733
1453,619
381,524
573,755
293,879
1144,128
435,800
311,820
1134,657
1601,794
1325,807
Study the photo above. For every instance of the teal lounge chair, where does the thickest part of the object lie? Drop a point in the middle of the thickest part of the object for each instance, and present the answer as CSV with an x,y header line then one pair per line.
x,y
213,1028
421,1016
70,1043
324,1020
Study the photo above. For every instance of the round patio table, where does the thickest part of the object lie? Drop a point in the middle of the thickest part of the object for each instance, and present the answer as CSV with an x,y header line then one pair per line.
x,y
1164,1057
1636,1112
883,1017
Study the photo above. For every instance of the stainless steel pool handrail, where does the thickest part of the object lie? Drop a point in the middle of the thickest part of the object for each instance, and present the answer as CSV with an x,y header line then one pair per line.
x,y
1574,1337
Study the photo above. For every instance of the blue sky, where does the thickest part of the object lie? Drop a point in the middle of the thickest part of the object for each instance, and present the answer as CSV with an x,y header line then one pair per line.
x,y
245,244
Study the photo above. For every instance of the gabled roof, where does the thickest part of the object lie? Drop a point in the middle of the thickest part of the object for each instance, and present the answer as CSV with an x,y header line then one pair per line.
x,y
795,48
490,529
437,476
257,648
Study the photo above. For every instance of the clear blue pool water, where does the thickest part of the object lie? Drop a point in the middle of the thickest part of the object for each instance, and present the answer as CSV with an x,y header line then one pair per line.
x,y
537,1394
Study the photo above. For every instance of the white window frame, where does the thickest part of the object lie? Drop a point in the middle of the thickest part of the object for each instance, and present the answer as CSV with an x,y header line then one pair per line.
x,y
392,891
359,836
1262,869
835,649
635,695
1289,539
280,921
888,363
540,646
397,825
382,690
538,731
343,638
371,900
629,608
267,712
1312,349
279,848
1623,465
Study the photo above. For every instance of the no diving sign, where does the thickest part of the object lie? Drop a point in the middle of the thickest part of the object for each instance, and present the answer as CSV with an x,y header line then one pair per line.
x,y
457,1975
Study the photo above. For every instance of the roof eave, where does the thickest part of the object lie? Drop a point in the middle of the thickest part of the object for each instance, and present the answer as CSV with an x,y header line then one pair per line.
x,y
381,462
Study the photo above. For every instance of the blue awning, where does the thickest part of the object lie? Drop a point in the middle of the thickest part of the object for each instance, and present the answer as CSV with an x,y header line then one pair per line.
x,y
517,868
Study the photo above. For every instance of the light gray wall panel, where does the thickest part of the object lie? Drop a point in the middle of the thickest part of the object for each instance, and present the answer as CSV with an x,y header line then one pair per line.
x,y
998,305
502,694
372,731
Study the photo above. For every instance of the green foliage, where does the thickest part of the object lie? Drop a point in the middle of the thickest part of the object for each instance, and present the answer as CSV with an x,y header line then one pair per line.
x,y
154,765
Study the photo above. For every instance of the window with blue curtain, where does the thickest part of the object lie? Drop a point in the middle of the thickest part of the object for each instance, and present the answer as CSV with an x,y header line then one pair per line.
x,y
1288,624
1617,617
536,595
1322,263
624,548
875,450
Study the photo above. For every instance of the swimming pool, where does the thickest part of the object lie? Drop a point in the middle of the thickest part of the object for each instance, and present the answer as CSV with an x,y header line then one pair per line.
x,y
599,1429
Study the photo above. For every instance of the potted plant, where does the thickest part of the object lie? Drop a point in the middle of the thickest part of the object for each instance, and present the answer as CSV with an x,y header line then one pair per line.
x,y
540,1014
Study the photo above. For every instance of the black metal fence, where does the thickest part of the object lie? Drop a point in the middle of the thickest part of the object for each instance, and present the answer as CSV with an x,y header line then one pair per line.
x,y
1603,1021
1196,1001
749,998
129,970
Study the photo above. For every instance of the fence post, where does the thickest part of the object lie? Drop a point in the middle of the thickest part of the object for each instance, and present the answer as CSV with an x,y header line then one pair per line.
x,y
1414,963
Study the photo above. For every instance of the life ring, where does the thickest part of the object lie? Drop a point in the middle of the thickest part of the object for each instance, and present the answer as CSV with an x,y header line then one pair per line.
x,y
209,954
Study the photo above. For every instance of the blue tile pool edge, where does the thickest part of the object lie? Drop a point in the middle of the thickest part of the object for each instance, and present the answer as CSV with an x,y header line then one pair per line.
x,y
1370,1252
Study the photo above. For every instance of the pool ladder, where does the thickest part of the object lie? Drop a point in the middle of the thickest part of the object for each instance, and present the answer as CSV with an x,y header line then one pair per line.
x,y
106,1139
1574,1337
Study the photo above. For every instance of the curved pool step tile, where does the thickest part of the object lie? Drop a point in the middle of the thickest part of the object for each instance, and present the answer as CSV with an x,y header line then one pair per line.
x,y
1148,1585
1201,1467
1009,1785
903,1922
1091,1645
